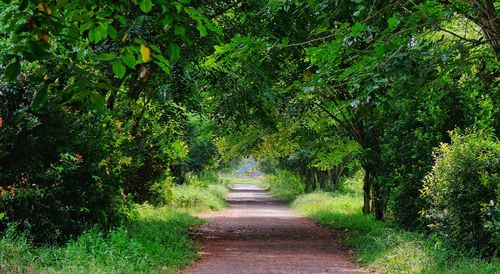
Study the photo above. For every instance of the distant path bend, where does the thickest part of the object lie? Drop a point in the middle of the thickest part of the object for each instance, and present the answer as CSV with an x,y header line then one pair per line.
x,y
259,234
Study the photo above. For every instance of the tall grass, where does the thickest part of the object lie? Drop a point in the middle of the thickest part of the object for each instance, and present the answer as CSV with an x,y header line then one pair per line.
x,y
377,245
197,199
153,240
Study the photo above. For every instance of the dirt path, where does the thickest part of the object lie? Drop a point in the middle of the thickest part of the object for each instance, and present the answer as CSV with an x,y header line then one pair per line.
x,y
258,234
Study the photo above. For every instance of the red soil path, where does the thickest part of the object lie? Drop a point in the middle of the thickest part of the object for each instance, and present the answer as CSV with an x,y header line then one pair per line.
x,y
259,234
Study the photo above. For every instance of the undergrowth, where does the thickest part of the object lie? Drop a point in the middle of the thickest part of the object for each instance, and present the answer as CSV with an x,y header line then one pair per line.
x,y
196,199
379,245
153,240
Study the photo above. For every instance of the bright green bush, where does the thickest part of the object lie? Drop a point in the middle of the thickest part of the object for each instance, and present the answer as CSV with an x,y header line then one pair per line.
x,y
285,185
161,191
465,178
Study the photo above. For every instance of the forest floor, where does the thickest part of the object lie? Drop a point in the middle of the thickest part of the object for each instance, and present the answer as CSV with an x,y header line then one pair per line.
x,y
259,234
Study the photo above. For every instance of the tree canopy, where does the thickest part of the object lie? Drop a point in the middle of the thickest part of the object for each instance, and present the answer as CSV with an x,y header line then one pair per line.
x,y
102,99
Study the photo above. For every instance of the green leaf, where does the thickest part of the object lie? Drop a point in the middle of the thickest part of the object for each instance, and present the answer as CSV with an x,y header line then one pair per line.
x,y
112,32
40,99
129,60
92,35
174,52
145,5
97,100
119,69
164,67
80,95
379,50
155,48
105,56
180,31
202,29
392,21
357,29
13,70
85,26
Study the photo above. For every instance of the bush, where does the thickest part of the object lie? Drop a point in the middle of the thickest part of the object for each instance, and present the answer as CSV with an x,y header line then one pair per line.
x,y
59,172
379,246
161,191
285,185
465,178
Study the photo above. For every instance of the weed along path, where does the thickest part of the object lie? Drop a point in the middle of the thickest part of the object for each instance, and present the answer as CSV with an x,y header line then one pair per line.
x,y
259,234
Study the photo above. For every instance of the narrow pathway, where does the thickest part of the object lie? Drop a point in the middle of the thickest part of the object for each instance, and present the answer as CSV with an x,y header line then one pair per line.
x,y
259,234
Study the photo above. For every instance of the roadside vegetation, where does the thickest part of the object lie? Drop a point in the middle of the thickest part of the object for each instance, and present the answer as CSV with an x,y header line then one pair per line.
x,y
153,239
108,104
379,245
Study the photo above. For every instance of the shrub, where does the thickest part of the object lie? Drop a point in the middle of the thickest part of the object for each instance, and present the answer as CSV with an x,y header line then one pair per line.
x,y
464,178
161,191
285,185
59,170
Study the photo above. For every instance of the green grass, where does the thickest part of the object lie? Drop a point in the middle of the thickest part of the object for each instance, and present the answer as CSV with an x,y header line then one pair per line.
x,y
193,199
154,240
379,246
240,180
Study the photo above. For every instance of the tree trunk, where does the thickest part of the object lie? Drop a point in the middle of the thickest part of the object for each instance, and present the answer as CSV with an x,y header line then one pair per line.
x,y
367,186
489,22
378,206
176,170
322,179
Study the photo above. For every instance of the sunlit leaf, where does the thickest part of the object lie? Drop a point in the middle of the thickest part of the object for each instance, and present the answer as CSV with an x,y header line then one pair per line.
x,y
145,54
392,21
145,5
129,60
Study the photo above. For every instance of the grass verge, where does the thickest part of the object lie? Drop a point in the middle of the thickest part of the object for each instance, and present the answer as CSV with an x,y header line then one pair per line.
x,y
153,240
379,246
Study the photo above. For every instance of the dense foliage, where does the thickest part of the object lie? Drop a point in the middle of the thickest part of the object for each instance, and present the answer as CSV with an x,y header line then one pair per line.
x,y
464,180
107,103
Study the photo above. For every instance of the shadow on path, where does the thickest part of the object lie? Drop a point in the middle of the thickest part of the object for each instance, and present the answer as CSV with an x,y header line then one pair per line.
x,y
259,234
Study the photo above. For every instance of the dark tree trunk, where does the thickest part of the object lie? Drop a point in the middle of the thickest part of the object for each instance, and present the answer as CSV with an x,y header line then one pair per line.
x,y
378,206
322,179
368,183
373,196
335,175
489,22
176,171
367,186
